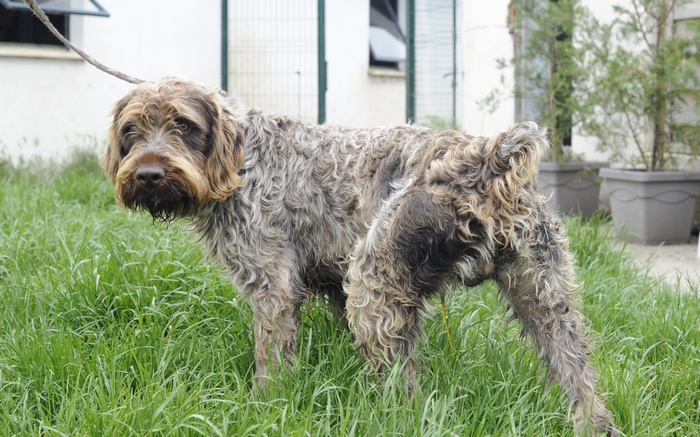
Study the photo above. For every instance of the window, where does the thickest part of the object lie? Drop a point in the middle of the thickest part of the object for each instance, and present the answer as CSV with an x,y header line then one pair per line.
x,y
19,25
387,45
687,29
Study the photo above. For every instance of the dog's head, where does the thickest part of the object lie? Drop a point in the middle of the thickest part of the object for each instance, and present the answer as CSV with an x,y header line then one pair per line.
x,y
174,146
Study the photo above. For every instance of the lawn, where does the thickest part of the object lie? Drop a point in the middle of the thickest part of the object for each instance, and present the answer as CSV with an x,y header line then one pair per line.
x,y
110,325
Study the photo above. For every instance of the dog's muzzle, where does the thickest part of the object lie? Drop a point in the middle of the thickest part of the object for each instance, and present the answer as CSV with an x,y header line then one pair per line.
x,y
161,192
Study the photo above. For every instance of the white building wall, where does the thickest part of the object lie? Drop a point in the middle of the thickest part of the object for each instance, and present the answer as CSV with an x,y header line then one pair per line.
x,y
52,101
356,95
485,39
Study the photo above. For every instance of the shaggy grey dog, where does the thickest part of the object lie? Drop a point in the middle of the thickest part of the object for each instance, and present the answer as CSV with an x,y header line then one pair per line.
x,y
377,219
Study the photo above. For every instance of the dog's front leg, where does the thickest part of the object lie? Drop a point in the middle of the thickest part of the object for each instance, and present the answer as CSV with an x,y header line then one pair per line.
x,y
276,321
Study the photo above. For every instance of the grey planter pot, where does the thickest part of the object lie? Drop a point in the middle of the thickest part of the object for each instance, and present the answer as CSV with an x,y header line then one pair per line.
x,y
652,207
571,187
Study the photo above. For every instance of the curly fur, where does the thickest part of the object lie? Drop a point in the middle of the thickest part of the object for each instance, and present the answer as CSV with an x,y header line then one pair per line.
x,y
377,219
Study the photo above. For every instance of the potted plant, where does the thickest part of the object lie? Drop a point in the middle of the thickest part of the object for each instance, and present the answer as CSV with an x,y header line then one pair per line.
x,y
645,72
549,77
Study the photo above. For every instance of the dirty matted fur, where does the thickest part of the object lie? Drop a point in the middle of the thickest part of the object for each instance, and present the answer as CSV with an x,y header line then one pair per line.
x,y
377,219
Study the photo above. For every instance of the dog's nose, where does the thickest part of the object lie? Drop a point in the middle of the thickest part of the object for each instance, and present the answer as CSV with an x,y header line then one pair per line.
x,y
150,175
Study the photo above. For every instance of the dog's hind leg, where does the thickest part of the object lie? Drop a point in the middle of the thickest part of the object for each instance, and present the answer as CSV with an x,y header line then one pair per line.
x,y
538,284
405,257
386,328
383,317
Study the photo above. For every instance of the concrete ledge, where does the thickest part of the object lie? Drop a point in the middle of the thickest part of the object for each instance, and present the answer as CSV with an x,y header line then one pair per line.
x,y
31,51
386,72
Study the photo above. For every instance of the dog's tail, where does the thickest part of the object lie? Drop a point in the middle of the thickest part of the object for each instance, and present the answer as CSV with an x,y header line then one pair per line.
x,y
515,155
499,178
509,162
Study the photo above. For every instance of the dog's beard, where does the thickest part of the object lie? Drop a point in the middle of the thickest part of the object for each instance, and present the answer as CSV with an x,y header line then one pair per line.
x,y
166,203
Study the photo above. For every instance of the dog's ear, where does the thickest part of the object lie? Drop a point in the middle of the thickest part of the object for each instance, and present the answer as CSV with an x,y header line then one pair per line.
x,y
227,139
111,158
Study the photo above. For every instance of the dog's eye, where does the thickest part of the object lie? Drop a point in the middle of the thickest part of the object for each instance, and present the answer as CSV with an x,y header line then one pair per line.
x,y
128,132
123,150
129,129
182,125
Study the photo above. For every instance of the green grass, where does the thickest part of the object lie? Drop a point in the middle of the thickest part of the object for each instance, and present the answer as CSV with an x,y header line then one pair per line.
x,y
112,326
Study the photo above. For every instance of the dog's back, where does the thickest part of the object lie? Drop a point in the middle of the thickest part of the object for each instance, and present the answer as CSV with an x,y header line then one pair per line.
x,y
343,175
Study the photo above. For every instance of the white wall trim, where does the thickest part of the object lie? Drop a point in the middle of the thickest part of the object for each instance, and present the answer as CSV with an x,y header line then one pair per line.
x,y
32,51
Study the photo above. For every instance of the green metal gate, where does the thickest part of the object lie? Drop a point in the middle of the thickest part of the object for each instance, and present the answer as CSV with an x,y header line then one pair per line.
x,y
432,75
276,56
